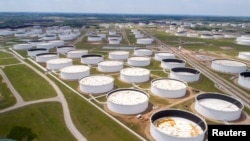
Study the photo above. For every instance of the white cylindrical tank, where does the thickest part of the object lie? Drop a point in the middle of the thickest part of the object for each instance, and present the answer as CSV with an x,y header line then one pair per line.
x,y
134,75
50,37
169,88
118,55
22,46
110,66
45,45
172,63
20,34
177,125
139,35
138,61
91,59
244,79
190,34
57,43
117,37
218,36
185,74
114,41
144,41
207,36
34,43
127,101
64,49
243,40
44,57
181,33
231,35
163,55
228,66
96,84
218,106
74,72
34,51
142,52
94,38
244,55
58,63
76,53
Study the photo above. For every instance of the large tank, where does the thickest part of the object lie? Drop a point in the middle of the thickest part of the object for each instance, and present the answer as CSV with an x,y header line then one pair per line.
x,y
207,36
144,41
91,59
58,63
65,49
244,55
228,66
50,37
164,55
110,66
172,63
142,52
139,61
118,55
74,72
56,43
134,75
114,41
21,34
44,57
34,51
244,79
76,53
45,45
94,38
22,46
116,37
34,43
243,40
218,106
127,101
177,125
169,88
96,84
218,36
190,34
185,74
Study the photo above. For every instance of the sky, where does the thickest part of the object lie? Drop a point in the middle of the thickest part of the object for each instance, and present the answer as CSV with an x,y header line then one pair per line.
x,y
168,7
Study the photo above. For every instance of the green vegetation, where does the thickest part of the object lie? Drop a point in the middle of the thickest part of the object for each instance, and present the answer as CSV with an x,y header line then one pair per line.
x,y
45,120
5,55
6,97
28,83
93,124
9,61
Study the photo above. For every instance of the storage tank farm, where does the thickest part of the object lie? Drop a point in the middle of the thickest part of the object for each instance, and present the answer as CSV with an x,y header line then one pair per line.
x,y
44,57
172,63
34,43
228,66
45,45
159,56
177,125
76,53
127,101
74,72
185,74
244,79
138,61
58,63
243,40
96,84
65,49
144,41
118,55
34,51
168,88
91,59
110,66
142,52
94,38
135,75
244,55
23,46
218,106
56,43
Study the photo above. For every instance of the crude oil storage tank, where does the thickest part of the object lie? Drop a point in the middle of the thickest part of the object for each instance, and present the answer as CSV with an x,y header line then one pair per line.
x,y
22,46
127,101
228,66
218,106
56,43
49,37
134,75
45,45
110,66
35,42
142,52
34,51
144,41
177,125
168,88
163,55
243,40
91,59
244,79
96,84
185,74
64,49
44,57
76,53
94,38
244,55
138,61
58,63
172,63
207,36
114,41
118,55
74,72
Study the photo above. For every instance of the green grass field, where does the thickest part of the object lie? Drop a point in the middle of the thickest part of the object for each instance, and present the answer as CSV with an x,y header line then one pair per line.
x,y
6,97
